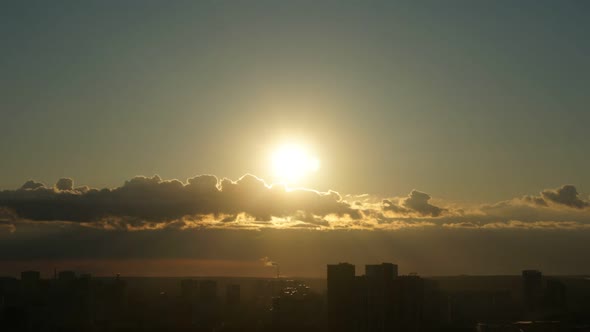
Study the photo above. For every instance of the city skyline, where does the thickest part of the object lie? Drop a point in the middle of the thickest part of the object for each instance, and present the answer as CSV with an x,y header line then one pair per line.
x,y
381,299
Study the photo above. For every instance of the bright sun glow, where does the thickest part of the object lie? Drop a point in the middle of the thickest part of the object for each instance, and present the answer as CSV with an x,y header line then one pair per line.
x,y
291,163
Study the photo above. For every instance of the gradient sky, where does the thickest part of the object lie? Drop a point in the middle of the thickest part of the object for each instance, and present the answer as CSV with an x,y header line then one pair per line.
x,y
472,102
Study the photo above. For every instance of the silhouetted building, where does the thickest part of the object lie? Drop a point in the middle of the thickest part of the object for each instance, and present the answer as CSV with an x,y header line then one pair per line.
x,y
207,308
409,294
385,271
66,276
30,280
379,300
232,295
379,304
532,289
30,276
189,289
208,291
85,276
555,297
472,306
342,309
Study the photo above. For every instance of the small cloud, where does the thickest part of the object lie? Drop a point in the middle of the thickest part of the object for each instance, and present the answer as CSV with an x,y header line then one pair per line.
x,y
566,195
390,205
65,184
32,185
535,200
418,201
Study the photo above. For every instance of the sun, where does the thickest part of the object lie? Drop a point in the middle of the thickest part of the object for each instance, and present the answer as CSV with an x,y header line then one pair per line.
x,y
291,163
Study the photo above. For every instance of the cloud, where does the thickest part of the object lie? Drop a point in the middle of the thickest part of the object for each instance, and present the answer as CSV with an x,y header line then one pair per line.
x,y
32,185
416,202
205,202
566,195
535,200
211,219
518,224
390,205
64,184
144,200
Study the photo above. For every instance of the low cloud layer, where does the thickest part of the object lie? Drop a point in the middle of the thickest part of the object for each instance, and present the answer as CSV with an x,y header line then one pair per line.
x,y
151,199
149,203
566,195
416,202
208,220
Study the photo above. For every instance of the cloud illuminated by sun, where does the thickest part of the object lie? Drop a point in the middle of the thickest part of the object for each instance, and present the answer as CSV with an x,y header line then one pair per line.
x,y
291,163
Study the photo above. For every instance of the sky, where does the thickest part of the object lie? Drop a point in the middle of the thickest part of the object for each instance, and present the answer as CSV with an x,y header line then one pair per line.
x,y
450,137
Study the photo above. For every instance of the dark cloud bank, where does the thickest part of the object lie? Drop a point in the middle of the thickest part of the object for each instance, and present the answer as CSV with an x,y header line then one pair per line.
x,y
153,200
207,202
206,218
